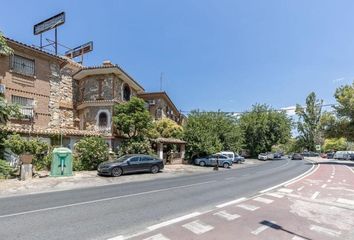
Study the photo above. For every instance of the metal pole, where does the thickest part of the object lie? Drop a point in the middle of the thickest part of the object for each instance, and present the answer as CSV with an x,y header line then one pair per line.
x,y
56,41
41,42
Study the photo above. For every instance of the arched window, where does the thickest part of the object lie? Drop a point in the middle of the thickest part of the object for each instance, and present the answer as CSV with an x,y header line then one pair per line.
x,y
126,92
102,119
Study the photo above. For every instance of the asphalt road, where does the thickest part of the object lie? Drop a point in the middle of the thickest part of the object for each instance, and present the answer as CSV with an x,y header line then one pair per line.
x,y
108,211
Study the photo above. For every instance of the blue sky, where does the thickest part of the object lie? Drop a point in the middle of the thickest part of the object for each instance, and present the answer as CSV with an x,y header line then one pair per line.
x,y
220,54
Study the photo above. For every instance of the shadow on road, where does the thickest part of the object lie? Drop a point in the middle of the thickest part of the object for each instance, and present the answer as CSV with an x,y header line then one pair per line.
x,y
278,227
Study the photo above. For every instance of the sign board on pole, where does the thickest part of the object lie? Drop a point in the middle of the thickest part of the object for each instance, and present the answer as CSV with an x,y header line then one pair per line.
x,y
80,50
318,147
49,23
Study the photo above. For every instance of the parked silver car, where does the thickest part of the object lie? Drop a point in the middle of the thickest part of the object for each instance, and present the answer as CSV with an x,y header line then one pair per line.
x,y
262,156
211,160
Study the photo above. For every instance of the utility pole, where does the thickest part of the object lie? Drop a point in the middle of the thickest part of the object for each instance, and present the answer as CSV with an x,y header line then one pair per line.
x,y
161,78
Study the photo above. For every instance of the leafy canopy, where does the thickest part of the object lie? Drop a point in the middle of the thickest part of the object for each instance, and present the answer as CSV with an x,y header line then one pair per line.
x,y
168,128
264,127
211,132
4,48
309,126
132,118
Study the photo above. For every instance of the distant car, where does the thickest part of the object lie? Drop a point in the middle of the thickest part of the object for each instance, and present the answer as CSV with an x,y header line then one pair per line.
x,y
297,156
351,157
330,155
129,164
277,155
340,155
228,154
212,160
310,154
270,156
238,159
262,156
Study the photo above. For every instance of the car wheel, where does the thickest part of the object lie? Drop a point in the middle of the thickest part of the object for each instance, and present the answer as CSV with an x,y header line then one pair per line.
x,y
202,164
117,171
226,165
154,169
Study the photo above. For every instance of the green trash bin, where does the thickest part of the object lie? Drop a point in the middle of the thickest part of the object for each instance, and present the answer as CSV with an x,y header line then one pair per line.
x,y
62,162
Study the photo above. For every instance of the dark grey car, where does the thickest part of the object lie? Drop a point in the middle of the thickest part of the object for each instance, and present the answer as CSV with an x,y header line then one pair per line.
x,y
130,164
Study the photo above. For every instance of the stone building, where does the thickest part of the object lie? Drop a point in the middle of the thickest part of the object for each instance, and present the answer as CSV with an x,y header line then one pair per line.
x,y
98,89
42,85
61,99
161,106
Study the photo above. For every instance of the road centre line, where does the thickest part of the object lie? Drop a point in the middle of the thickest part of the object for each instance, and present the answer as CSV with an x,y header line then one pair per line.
x,y
300,188
103,199
157,237
231,202
324,185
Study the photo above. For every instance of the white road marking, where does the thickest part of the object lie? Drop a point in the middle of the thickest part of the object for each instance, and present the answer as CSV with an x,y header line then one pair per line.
x,y
157,237
198,227
324,230
285,190
345,201
263,200
172,221
324,185
297,238
103,199
352,170
120,237
300,188
261,229
248,207
329,180
293,180
315,195
275,195
344,180
331,177
227,215
231,202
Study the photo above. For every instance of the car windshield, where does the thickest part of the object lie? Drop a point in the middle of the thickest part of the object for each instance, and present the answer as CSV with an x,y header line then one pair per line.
x,y
122,159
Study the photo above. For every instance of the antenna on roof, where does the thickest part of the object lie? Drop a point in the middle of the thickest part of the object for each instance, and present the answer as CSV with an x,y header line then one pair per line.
x,y
161,78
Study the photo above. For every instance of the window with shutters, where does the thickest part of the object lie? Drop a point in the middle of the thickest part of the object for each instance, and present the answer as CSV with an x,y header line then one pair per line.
x,y
22,65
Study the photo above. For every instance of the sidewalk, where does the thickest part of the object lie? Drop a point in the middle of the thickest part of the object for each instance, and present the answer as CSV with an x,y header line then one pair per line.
x,y
90,179
319,206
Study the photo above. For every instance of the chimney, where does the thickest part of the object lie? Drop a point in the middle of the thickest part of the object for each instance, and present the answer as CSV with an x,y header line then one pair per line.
x,y
107,63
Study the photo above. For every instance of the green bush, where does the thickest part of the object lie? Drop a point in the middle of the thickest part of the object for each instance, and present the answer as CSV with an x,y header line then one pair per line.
x,y
77,166
37,148
90,151
135,146
5,169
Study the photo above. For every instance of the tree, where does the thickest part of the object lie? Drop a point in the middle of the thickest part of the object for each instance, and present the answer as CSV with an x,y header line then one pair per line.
x,y
4,48
264,127
335,144
132,118
7,111
308,126
134,121
210,132
342,125
91,151
168,128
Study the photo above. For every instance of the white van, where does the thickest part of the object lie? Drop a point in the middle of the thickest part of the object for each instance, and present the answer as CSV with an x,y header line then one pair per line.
x,y
228,154
344,155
